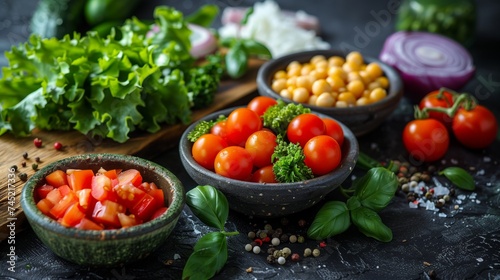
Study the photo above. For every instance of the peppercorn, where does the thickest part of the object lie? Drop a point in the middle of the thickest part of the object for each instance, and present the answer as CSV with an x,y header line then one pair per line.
x,y
286,252
268,227
405,188
25,155
284,238
316,252
14,167
271,250
302,223
256,249
248,247
411,197
270,259
301,239
295,257
23,164
23,176
432,274
307,252
37,142
58,146
262,234
293,238
275,241
278,231
34,166
281,260
37,159
251,235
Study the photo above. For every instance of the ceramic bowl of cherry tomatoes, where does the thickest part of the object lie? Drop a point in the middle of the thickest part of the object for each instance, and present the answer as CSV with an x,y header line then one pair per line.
x,y
357,90
103,209
235,155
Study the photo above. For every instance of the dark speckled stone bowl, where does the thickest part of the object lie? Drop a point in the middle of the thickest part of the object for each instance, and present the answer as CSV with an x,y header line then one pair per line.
x,y
361,120
270,200
106,247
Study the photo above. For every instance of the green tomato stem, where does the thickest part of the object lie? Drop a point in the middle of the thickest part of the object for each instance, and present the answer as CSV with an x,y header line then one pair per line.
x,y
462,100
230,233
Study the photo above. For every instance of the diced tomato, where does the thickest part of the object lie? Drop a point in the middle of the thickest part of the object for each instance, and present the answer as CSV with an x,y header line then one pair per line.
x,y
159,212
44,205
85,199
158,196
106,212
54,196
43,190
127,220
111,174
132,176
128,195
102,188
88,224
73,215
57,178
60,207
64,190
145,208
80,179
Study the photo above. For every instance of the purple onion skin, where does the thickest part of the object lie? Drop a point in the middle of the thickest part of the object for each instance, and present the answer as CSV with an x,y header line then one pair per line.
x,y
449,66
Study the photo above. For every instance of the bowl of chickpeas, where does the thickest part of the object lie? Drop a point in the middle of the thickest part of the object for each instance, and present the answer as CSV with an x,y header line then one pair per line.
x,y
357,90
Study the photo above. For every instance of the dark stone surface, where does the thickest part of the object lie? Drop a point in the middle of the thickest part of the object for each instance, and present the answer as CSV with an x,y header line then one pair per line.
x,y
463,245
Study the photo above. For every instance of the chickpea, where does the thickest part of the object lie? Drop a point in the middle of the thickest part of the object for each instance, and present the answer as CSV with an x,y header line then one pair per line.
x,y
321,64
341,104
317,58
353,76
278,84
351,66
300,95
383,81
312,99
347,97
320,86
281,74
356,87
294,72
338,72
335,82
292,81
306,69
286,94
362,101
293,64
354,57
377,94
336,61
374,70
365,77
304,81
325,100
373,85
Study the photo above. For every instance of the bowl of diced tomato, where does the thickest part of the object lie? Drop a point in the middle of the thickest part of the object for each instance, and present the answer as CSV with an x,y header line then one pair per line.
x,y
269,169
103,209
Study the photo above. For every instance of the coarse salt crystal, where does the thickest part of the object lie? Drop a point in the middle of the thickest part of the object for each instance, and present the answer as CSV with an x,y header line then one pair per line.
x,y
412,205
429,205
461,196
442,215
487,159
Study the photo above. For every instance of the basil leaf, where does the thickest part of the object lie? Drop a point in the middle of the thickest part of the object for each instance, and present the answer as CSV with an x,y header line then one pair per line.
x,y
208,258
331,219
256,48
370,224
248,13
459,177
236,60
204,16
353,203
376,188
209,205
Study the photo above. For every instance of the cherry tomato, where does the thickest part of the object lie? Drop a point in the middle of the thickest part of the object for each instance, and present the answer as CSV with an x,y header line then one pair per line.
x,y
206,148
476,128
433,100
234,162
261,146
264,175
260,104
220,129
240,124
303,127
426,139
334,130
322,154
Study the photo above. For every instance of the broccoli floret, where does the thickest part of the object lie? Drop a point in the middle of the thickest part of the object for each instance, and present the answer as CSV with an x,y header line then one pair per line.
x,y
277,117
289,166
203,127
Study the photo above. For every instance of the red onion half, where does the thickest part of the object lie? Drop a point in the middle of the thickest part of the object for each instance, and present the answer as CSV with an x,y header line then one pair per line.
x,y
427,62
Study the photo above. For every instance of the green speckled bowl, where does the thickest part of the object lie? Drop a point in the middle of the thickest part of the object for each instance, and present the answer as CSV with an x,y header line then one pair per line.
x,y
106,247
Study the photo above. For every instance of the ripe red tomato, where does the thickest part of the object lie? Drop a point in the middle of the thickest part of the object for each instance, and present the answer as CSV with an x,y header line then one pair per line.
x,y
426,139
334,130
240,123
433,99
220,129
476,128
322,154
261,146
206,148
260,104
264,175
304,127
234,162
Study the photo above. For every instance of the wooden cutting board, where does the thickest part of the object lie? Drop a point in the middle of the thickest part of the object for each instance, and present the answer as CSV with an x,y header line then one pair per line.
x,y
75,143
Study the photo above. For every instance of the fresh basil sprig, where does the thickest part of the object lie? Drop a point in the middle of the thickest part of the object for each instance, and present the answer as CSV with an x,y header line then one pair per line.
x,y
372,193
459,177
210,252
238,53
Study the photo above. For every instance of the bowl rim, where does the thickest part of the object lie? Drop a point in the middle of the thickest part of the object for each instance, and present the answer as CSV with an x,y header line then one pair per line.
x,y
33,214
265,72
345,168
